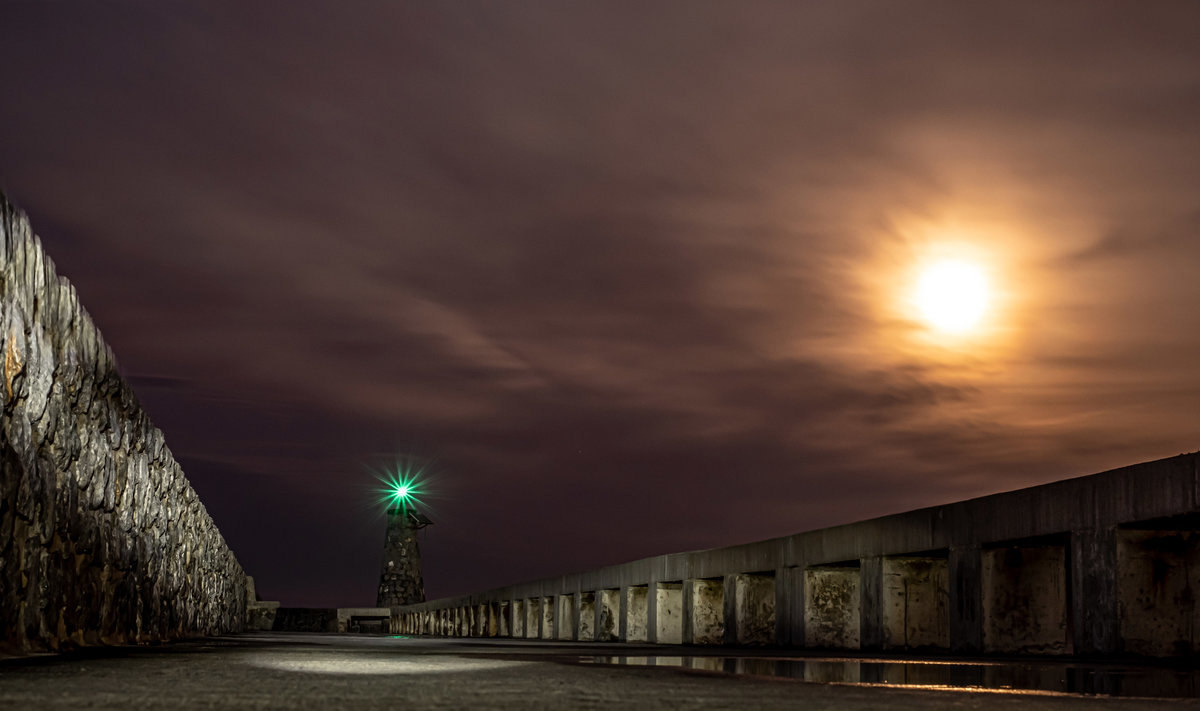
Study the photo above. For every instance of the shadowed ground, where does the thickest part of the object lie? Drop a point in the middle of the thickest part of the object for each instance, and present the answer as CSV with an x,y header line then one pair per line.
x,y
351,671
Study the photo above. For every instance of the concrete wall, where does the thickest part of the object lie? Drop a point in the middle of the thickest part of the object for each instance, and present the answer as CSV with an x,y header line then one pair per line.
x,y
102,539
1025,599
832,616
1158,585
915,604
703,612
1052,569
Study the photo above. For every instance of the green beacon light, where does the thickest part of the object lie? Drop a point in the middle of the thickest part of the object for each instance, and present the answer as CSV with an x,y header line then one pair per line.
x,y
402,491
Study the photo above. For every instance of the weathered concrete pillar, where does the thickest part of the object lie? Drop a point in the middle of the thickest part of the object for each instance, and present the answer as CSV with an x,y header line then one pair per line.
x,y
547,628
608,615
1025,598
634,613
832,613
1095,614
564,617
493,619
585,616
870,623
505,626
518,619
704,611
754,608
1158,587
729,609
966,598
533,618
915,598
789,606
667,608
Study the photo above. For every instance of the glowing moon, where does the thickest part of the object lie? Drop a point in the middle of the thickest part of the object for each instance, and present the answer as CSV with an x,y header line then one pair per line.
x,y
952,295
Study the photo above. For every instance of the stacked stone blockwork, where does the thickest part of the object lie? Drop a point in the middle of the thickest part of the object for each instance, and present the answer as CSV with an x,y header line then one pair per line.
x,y
400,581
102,539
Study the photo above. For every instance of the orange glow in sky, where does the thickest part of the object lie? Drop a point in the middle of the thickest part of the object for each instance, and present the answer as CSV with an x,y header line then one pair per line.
x,y
952,295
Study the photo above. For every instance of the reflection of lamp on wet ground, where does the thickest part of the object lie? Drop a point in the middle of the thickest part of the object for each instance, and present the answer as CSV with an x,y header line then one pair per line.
x,y
400,581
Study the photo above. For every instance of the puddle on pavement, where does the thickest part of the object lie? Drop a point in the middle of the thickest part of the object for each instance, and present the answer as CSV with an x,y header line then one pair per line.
x,y
1053,678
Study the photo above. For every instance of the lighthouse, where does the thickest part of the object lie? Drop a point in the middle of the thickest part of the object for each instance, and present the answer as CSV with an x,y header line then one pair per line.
x,y
400,579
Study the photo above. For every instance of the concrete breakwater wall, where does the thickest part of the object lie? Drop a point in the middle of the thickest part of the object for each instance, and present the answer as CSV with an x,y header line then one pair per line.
x,y
102,539
1107,564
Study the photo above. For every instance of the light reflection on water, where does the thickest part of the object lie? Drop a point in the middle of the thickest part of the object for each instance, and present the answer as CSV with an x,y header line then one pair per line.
x,y
1049,677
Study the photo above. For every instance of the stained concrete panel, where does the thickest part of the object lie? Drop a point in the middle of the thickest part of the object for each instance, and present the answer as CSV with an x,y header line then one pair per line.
x,y
1158,582
564,617
669,613
519,619
547,628
706,617
533,618
916,603
636,613
608,615
832,615
504,624
754,609
1025,599
587,616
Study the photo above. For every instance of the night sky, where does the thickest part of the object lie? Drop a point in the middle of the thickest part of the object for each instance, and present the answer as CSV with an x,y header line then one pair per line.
x,y
625,278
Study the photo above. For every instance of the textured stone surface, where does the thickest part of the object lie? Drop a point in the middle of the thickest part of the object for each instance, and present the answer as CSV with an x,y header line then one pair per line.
x,y
400,580
833,616
102,539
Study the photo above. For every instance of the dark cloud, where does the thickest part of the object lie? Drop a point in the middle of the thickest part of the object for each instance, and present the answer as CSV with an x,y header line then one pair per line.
x,y
624,274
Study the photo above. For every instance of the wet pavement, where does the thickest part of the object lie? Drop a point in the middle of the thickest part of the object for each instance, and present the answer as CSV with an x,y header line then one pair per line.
x,y
1051,677
287,671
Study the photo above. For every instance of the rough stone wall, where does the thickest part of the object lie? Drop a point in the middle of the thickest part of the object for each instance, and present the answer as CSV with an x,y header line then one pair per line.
x,y
400,580
102,539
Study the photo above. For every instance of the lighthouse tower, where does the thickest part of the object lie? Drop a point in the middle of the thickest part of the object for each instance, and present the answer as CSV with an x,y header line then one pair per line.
x,y
400,581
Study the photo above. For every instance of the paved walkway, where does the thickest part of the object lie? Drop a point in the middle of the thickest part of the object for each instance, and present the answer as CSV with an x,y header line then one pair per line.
x,y
359,672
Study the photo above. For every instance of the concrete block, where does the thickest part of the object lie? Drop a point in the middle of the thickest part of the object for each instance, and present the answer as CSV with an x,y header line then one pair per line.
x,y
704,612
519,619
754,608
634,613
832,615
1094,595
533,618
585,608
547,621
668,618
966,598
1158,585
1025,599
608,615
564,617
915,603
